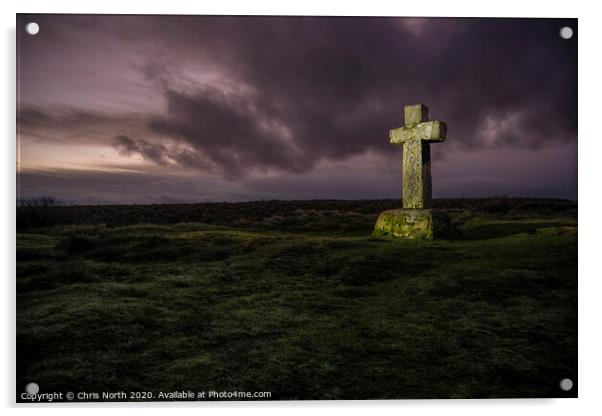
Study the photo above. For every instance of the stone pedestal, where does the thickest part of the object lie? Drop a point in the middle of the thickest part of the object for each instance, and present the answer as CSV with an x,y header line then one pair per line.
x,y
414,223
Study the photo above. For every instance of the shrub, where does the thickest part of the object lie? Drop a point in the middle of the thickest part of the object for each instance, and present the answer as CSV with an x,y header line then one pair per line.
x,y
40,211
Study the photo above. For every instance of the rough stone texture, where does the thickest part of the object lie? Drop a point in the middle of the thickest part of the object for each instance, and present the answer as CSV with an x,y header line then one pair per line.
x,y
433,131
414,114
417,189
416,136
425,224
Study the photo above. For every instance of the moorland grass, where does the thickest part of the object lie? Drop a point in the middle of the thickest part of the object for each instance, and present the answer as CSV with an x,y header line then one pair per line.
x,y
328,312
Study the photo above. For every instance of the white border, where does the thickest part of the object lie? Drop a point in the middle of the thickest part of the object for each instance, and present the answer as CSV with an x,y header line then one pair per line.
x,y
590,204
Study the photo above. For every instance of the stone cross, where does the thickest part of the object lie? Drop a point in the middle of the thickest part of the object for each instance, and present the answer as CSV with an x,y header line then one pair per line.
x,y
416,136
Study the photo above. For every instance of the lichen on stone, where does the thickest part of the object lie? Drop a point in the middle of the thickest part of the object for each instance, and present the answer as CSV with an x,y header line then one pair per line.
x,y
423,224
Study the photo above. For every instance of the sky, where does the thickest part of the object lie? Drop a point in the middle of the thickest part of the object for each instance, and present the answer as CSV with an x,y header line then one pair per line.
x,y
163,109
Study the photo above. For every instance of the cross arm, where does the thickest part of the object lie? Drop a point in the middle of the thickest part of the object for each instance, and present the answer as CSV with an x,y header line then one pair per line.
x,y
433,131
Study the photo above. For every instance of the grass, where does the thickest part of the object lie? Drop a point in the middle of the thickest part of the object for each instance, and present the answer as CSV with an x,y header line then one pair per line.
x,y
304,304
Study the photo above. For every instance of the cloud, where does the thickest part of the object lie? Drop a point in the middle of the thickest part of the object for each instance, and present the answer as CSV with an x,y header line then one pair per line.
x,y
156,153
231,132
78,126
337,85
546,173
247,96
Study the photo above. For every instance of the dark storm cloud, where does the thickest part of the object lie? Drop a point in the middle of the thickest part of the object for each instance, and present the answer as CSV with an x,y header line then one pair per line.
x,y
159,153
338,84
152,152
281,94
229,132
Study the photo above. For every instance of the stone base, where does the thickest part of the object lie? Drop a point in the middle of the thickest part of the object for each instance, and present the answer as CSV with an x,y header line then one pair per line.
x,y
414,223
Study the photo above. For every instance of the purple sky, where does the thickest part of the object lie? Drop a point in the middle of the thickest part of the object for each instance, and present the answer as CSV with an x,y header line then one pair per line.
x,y
151,109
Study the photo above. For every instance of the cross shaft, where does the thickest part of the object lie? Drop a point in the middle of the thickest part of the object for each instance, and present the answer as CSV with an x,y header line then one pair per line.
x,y
416,135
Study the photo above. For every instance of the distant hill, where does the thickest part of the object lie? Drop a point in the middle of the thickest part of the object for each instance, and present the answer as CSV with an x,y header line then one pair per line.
x,y
44,212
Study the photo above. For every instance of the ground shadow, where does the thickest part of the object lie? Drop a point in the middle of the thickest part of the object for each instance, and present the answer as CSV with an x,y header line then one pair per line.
x,y
505,229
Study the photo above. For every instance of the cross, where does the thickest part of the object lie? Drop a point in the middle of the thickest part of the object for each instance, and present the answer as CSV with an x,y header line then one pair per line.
x,y
416,136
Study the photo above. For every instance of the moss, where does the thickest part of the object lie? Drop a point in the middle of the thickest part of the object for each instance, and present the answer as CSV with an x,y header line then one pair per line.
x,y
413,223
